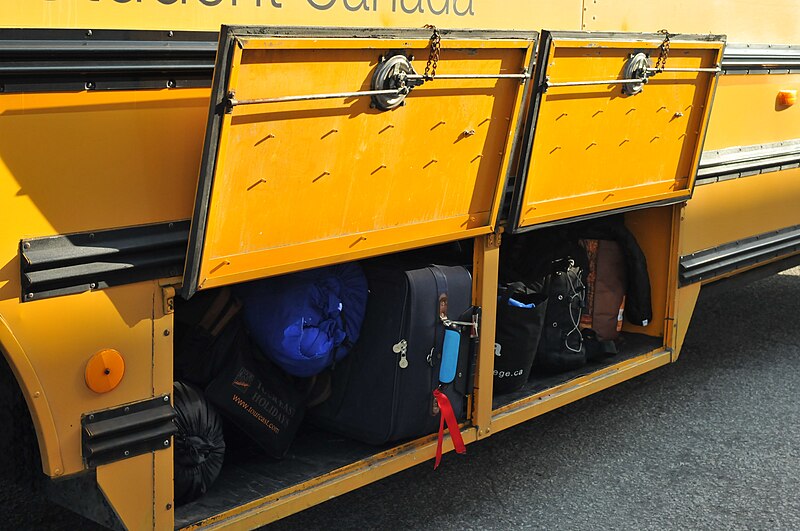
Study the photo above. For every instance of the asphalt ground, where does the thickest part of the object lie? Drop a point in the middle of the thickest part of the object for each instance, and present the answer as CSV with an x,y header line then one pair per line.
x,y
712,442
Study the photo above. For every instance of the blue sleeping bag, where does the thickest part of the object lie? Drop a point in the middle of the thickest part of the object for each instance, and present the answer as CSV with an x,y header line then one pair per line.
x,y
305,321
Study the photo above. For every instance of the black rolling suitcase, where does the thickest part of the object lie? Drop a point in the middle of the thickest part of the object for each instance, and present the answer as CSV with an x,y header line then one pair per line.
x,y
383,390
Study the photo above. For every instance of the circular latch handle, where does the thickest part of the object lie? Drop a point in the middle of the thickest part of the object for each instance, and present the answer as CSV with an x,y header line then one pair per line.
x,y
636,68
392,74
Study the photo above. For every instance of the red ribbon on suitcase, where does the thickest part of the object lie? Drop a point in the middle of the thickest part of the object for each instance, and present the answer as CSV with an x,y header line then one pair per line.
x,y
447,416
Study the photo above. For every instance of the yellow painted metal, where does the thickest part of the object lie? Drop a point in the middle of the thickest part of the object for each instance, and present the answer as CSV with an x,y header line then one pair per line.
x,y
303,184
252,43
595,149
746,111
61,153
672,309
81,162
58,337
560,395
732,210
289,501
129,487
653,230
741,20
687,299
36,398
196,15
163,492
749,21
486,271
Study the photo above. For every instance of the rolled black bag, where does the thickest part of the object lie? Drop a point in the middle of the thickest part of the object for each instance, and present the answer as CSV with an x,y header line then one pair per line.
x,y
520,316
199,443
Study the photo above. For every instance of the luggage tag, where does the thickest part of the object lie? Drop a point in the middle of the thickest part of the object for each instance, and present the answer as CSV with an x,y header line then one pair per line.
x,y
450,351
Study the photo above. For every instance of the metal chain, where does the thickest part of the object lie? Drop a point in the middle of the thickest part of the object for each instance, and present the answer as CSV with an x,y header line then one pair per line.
x,y
433,57
663,54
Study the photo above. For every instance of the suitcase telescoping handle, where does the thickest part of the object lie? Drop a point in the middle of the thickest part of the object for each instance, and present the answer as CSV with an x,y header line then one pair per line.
x,y
451,346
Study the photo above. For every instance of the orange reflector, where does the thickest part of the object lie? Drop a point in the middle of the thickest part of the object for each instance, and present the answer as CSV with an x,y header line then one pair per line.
x,y
104,370
787,97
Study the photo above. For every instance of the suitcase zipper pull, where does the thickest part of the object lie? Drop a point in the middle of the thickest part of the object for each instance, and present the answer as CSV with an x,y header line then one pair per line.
x,y
401,347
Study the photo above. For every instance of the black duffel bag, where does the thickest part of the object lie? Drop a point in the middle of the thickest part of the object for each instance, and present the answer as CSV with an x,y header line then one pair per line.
x,y
520,315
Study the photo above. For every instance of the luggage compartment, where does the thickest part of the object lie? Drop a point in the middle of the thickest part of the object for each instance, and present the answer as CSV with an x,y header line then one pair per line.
x,y
654,230
319,460
405,296
276,196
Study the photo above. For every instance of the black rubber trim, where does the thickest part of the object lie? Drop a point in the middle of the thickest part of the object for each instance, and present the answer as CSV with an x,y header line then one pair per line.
x,y
61,265
761,59
742,279
218,108
744,161
748,252
76,60
126,431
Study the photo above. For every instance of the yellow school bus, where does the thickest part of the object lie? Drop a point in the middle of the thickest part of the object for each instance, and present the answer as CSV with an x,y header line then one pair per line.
x,y
152,149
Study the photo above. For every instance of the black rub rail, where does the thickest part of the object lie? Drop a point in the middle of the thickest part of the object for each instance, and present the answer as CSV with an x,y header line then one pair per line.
x,y
717,261
761,59
62,265
744,161
42,60
76,60
127,431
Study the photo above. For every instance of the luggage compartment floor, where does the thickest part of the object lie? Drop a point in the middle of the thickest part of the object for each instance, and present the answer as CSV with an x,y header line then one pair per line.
x,y
632,345
248,475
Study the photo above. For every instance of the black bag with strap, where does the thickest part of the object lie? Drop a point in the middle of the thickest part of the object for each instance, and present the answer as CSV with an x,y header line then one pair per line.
x,y
561,345
520,316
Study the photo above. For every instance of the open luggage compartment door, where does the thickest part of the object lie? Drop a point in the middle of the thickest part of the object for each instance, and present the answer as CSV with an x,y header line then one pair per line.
x,y
331,145
618,122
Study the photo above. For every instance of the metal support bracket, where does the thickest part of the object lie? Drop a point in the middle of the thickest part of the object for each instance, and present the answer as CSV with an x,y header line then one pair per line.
x,y
393,80
636,74
168,299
